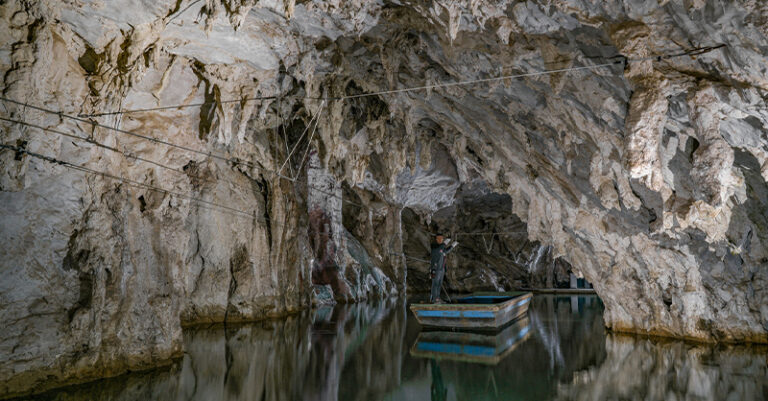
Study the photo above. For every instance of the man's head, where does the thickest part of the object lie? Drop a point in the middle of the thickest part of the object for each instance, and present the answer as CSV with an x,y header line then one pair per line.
x,y
439,238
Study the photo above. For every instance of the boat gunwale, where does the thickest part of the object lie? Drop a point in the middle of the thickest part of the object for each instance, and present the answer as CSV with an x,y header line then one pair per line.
x,y
486,307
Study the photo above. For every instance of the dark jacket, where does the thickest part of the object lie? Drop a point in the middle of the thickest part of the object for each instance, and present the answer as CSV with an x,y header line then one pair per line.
x,y
437,256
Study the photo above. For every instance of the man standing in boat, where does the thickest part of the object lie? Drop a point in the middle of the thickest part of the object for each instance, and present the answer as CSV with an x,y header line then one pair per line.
x,y
440,250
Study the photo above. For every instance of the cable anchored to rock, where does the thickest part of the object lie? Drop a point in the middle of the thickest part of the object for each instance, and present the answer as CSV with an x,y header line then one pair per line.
x,y
697,51
138,184
127,156
235,161
180,106
410,257
385,92
184,10
148,138
490,233
309,143
691,52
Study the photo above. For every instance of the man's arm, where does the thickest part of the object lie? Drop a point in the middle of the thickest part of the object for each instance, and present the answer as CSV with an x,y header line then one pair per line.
x,y
453,245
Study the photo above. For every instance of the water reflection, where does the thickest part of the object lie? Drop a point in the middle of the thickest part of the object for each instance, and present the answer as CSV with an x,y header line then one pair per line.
x,y
362,352
641,369
529,372
473,347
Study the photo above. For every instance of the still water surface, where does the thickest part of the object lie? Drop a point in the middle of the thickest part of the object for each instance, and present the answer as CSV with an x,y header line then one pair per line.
x,y
379,352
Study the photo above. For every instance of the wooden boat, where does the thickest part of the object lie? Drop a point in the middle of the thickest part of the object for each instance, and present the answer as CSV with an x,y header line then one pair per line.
x,y
477,311
474,347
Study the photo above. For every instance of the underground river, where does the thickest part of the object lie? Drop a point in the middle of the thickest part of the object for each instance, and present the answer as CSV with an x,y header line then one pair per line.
x,y
376,351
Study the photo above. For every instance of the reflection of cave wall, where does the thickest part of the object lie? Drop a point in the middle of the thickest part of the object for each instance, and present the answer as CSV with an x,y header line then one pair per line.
x,y
567,337
501,259
563,342
644,369
302,357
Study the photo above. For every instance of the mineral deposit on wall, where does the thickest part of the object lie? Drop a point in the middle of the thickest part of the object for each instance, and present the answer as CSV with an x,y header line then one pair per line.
x,y
647,176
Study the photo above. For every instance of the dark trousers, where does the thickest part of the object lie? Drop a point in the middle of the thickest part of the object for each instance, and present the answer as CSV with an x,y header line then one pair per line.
x,y
437,282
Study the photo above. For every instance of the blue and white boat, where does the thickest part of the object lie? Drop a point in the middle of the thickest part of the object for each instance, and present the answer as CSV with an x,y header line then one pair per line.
x,y
473,347
477,311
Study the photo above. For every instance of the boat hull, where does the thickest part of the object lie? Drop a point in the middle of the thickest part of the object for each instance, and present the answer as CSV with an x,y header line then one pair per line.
x,y
495,311
472,346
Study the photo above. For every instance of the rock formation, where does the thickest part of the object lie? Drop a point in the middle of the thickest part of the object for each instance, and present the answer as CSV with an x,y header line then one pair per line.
x,y
646,175
494,253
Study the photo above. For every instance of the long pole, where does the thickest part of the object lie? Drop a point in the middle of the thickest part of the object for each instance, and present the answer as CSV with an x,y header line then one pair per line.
x,y
442,285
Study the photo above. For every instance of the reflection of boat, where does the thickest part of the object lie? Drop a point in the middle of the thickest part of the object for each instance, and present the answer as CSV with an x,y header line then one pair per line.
x,y
487,310
487,348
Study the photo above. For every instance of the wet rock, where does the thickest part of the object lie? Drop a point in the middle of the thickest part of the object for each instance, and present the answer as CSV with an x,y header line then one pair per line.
x,y
494,254
647,177
341,261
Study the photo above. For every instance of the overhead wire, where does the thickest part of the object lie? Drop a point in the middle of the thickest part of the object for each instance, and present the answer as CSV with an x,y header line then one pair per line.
x,y
622,61
127,181
409,257
127,156
236,161
385,92
145,137
179,106
184,10
696,51
619,60
491,233
130,133
288,158
281,130
478,81
287,149
151,139
139,158
184,106
691,52
182,172
309,141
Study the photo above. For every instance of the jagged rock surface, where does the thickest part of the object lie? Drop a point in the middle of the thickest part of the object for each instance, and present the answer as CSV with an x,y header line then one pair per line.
x,y
494,252
649,180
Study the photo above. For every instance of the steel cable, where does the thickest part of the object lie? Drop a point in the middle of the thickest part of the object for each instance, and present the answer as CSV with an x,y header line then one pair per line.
x,y
127,181
691,52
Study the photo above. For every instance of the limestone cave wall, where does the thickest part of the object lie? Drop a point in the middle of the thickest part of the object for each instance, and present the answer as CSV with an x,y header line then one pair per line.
x,y
646,175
